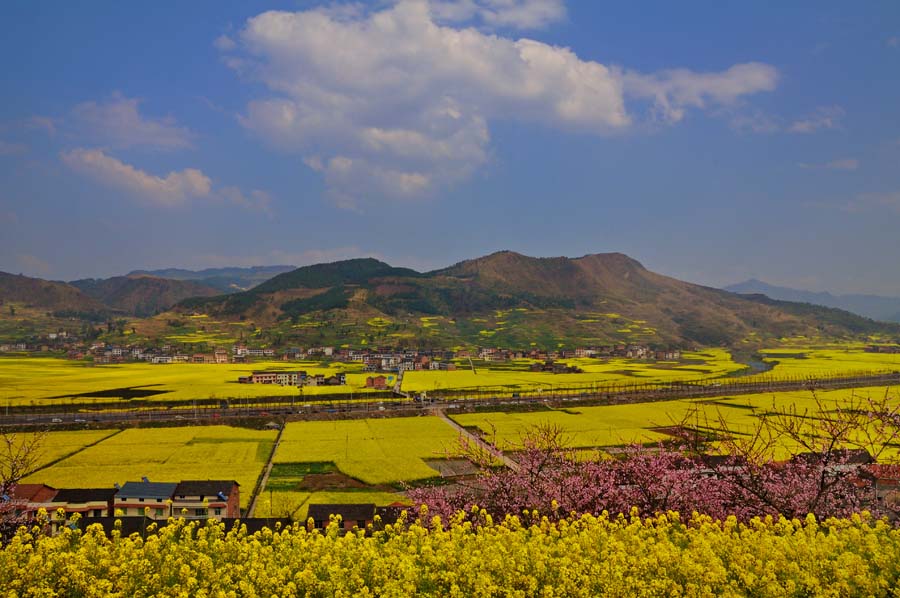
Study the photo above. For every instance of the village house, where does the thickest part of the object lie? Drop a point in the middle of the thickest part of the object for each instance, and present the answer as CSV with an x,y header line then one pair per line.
x,y
28,498
207,499
88,502
151,498
376,382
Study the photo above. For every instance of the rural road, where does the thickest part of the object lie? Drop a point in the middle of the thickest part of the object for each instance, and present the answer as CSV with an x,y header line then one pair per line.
x,y
493,450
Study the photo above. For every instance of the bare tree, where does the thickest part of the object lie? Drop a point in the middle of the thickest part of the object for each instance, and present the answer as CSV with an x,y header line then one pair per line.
x,y
19,456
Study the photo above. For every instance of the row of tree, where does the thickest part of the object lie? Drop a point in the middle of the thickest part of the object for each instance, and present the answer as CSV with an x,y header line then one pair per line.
x,y
791,463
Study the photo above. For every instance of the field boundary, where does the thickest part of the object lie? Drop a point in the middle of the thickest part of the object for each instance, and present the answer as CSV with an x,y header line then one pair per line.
x,y
264,475
75,452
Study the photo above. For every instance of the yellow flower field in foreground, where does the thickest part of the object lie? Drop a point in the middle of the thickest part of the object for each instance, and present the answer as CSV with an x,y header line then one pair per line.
x,y
589,556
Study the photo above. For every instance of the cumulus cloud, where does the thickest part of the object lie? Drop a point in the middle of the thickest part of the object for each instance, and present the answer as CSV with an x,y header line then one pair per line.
x,y
516,14
173,189
674,91
825,117
119,123
841,164
397,102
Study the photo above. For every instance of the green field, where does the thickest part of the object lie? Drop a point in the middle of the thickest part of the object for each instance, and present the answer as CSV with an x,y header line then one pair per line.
x,y
164,454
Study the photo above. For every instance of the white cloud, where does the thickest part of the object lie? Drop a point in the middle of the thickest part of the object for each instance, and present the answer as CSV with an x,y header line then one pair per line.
x,y
674,91
12,149
841,164
174,189
826,117
392,103
516,14
171,190
119,123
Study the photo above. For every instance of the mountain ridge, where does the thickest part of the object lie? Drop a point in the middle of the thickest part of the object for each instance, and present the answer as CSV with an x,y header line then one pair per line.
x,y
608,297
877,307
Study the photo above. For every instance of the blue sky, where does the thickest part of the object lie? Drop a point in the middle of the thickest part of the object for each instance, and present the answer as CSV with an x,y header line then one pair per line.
x,y
713,141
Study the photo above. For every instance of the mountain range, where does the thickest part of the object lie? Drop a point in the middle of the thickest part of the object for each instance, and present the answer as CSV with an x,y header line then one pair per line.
x,y
886,309
503,299
515,300
226,280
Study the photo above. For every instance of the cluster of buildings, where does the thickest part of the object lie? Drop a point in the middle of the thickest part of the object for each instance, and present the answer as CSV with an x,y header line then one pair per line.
x,y
192,499
882,349
619,351
297,378
373,359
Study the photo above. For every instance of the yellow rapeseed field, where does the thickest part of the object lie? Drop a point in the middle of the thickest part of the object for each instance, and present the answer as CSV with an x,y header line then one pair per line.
x,y
520,556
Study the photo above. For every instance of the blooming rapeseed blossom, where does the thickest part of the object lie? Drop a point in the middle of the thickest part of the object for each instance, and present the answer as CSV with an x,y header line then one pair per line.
x,y
665,555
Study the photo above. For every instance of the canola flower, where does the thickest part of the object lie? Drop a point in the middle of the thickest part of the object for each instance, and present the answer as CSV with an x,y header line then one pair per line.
x,y
525,555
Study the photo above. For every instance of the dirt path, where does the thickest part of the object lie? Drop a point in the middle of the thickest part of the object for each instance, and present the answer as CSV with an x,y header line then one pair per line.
x,y
251,510
478,441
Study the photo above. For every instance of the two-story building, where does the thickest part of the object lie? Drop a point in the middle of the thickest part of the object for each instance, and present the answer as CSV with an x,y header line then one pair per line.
x,y
207,499
146,497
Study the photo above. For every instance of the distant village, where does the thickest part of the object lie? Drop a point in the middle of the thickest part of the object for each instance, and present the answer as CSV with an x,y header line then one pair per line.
x,y
373,359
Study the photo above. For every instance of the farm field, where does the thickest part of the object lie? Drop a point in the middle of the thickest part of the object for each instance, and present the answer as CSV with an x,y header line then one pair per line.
x,y
829,360
516,377
616,425
56,445
164,454
356,461
43,381
374,451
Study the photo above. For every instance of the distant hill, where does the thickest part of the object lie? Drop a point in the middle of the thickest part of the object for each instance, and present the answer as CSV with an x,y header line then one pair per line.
x,y
510,299
227,280
142,295
886,309
45,294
